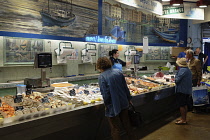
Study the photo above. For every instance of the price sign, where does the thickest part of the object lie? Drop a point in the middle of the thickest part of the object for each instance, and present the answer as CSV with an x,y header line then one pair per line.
x,y
45,100
18,99
19,108
86,92
85,85
72,92
50,94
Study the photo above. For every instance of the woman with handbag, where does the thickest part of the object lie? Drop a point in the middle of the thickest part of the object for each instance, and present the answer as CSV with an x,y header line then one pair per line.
x,y
116,96
183,89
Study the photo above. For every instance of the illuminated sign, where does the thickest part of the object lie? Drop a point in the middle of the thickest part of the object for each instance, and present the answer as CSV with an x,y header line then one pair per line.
x,y
100,39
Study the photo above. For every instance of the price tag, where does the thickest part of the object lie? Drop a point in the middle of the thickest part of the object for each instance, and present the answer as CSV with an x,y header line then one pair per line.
x,y
50,94
86,92
45,100
19,108
133,82
76,87
85,85
72,92
18,99
28,92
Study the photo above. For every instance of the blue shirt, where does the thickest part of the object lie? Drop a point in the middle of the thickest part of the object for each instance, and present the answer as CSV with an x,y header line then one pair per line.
x,y
181,55
115,92
183,80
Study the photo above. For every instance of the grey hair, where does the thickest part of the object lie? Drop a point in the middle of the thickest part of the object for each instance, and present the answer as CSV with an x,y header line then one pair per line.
x,y
190,52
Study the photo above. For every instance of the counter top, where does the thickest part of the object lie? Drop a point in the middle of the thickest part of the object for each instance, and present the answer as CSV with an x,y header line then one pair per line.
x,y
53,80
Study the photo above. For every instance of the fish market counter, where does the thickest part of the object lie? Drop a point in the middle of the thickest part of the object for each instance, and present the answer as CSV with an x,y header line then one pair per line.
x,y
85,122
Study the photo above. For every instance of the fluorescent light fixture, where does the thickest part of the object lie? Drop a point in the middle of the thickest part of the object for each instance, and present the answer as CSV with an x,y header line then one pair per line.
x,y
176,4
203,6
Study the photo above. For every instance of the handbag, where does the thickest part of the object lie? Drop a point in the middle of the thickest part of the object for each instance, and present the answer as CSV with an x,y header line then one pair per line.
x,y
135,117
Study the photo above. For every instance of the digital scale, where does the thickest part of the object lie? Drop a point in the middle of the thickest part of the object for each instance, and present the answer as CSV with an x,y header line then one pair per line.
x,y
43,61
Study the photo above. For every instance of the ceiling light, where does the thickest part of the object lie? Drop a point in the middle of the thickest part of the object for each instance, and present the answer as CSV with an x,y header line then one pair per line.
x,y
176,2
203,6
203,3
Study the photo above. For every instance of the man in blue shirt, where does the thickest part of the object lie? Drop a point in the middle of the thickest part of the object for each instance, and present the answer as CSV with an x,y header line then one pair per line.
x,y
183,82
183,54
116,96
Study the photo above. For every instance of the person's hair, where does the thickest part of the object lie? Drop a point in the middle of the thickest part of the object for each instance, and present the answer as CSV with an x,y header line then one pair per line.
x,y
114,51
190,52
103,63
187,48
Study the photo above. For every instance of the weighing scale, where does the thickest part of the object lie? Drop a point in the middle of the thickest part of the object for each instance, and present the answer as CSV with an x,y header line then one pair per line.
x,y
43,61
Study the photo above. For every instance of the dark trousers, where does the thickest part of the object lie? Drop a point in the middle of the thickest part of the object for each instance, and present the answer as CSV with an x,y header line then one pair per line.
x,y
119,123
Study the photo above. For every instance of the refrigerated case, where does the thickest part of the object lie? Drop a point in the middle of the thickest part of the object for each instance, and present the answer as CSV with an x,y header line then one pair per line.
x,y
88,121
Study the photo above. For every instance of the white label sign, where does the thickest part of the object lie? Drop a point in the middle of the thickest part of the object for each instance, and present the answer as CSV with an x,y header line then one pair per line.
x,y
148,5
145,44
190,12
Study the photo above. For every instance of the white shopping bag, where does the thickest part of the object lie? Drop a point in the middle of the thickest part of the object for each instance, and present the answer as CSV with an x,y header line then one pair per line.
x,y
200,96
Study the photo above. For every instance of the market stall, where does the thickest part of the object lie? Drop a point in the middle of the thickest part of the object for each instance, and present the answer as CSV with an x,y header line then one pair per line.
x,y
86,117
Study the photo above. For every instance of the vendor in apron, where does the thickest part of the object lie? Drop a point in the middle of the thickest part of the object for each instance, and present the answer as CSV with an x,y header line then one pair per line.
x,y
116,63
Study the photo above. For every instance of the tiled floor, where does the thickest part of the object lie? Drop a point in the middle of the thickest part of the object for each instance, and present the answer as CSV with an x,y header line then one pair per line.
x,y
198,128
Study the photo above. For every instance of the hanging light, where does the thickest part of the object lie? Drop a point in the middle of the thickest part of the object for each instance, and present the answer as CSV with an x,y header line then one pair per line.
x,y
176,2
203,3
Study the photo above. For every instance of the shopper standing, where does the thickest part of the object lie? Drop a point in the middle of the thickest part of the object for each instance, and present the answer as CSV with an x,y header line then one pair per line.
x,y
183,54
116,96
196,70
202,57
183,89
116,63
195,67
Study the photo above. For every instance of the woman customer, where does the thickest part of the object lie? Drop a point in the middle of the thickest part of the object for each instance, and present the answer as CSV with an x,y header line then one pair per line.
x,y
183,80
117,63
116,96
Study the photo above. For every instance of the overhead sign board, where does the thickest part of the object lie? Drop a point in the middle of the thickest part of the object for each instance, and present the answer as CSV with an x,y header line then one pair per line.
x,y
168,10
148,5
190,12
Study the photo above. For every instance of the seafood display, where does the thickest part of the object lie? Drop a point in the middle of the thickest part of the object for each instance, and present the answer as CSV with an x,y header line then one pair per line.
x,y
66,96
145,84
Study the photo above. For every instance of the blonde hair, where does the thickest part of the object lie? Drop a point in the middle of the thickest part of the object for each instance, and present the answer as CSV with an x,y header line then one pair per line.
x,y
190,52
